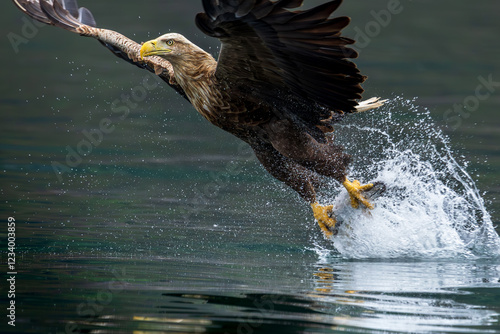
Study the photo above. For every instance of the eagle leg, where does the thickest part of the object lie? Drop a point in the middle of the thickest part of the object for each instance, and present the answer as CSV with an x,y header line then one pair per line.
x,y
324,216
299,178
355,190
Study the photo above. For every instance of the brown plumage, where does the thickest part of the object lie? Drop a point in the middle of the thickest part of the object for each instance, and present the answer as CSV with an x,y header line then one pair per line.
x,y
283,78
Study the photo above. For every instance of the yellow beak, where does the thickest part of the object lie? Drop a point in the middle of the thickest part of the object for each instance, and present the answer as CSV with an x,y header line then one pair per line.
x,y
150,48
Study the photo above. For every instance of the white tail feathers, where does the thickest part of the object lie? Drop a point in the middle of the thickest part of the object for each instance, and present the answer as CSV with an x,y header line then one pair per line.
x,y
372,103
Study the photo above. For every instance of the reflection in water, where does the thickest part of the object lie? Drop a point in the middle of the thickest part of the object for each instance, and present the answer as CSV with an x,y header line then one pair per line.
x,y
351,296
149,325
406,296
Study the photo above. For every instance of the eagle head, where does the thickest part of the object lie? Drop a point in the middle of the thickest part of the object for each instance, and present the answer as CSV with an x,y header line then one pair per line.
x,y
168,46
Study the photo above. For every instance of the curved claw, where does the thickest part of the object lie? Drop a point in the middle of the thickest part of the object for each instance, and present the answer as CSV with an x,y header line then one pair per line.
x,y
354,189
324,216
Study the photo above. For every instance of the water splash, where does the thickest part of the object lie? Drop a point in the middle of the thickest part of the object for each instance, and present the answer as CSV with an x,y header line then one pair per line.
x,y
432,207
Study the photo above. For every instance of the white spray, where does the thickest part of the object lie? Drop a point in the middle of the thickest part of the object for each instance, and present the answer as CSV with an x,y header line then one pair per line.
x,y
431,208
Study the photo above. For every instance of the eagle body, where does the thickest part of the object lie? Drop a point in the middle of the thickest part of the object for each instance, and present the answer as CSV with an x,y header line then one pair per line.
x,y
282,79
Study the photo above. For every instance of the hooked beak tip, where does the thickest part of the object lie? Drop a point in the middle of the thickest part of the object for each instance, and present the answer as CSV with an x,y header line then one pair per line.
x,y
147,48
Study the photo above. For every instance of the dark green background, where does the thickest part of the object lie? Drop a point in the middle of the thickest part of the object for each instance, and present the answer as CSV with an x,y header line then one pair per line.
x,y
134,202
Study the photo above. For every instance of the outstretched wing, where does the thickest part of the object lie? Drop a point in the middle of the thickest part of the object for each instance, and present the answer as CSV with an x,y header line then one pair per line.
x,y
66,14
303,51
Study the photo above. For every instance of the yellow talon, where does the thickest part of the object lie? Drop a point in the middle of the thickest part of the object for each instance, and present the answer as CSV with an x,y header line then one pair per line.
x,y
323,213
354,189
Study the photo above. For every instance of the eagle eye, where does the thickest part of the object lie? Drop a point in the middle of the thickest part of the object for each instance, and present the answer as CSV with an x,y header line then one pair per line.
x,y
170,42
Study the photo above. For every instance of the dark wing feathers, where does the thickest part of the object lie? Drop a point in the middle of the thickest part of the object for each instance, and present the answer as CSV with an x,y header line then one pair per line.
x,y
290,3
59,16
33,10
86,17
82,14
71,6
299,50
263,43
315,15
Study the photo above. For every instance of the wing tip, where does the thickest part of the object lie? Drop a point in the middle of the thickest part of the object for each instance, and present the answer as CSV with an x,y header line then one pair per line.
x,y
61,13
